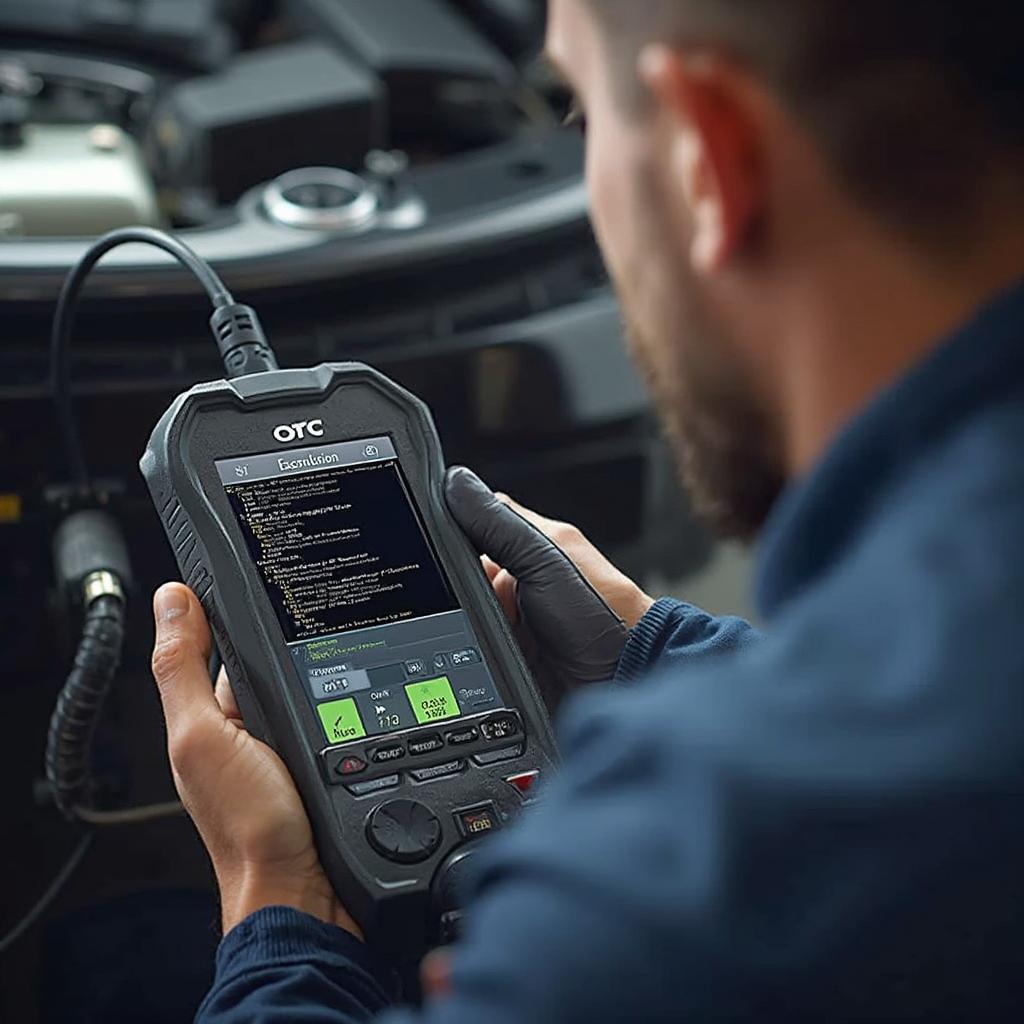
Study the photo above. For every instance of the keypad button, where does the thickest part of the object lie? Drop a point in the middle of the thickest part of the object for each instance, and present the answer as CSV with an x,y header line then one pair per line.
x,y
467,656
373,785
425,745
523,782
385,755
477,821
501,726
438,771
497,756
350,766
460,737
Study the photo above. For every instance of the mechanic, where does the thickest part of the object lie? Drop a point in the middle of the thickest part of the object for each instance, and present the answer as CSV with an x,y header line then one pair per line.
x,y
813,211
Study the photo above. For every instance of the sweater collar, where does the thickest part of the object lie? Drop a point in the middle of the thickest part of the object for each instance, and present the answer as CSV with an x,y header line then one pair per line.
x,y
818,516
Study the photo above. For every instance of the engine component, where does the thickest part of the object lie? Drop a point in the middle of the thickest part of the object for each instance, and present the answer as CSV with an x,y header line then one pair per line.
x,y
71,180
418,48
321,198
188,32
268,112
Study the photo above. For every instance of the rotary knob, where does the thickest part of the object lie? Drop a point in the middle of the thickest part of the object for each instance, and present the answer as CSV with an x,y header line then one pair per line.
x,y
404,831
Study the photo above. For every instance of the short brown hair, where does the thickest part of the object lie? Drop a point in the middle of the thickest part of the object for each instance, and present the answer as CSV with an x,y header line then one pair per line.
x,y
915,102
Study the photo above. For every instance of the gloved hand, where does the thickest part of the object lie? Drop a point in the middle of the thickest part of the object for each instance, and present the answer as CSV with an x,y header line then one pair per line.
x,y
570,608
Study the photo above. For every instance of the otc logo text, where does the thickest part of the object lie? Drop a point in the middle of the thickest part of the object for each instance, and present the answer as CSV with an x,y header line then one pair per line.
x,y
288,432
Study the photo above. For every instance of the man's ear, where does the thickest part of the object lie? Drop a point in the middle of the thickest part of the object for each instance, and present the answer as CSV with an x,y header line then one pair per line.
x,y
715,153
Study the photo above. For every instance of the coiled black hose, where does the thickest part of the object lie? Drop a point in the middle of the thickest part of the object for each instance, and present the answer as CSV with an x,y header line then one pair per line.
x,y
74,718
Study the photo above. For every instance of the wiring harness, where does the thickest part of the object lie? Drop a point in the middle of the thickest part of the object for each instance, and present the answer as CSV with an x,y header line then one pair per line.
x,y
91,557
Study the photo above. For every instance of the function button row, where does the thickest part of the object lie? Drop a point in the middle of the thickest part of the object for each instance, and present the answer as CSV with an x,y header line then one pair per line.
x,y
523,782
501,726
439,771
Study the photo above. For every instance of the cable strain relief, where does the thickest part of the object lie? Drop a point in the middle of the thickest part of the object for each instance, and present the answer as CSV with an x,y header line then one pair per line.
x,y
243,345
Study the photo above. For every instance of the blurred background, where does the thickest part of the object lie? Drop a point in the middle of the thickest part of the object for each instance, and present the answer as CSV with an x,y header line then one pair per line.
x,y
385,180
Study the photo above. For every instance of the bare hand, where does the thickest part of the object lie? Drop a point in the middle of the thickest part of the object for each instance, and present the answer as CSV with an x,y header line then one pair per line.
x,y
236,789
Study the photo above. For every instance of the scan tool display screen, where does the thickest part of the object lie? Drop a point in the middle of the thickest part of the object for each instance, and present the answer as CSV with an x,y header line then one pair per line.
x,y
367,612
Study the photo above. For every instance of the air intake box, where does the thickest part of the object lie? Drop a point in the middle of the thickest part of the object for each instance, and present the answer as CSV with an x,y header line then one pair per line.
x,y
419,48
269,111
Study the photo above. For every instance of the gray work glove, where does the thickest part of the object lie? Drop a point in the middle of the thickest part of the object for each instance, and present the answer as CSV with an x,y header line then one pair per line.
x,y
570,608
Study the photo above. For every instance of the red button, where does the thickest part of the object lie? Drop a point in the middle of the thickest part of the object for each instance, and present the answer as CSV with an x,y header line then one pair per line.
x,y
351,766
523,782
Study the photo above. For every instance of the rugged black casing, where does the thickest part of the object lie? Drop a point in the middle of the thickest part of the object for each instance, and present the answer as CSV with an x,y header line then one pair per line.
x,y
230,418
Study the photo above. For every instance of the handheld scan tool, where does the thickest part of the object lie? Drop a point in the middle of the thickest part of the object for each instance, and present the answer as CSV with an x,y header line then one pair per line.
x,y
361,638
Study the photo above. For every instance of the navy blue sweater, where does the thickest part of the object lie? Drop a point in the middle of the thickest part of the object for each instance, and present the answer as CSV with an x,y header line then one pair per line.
x,y
825,824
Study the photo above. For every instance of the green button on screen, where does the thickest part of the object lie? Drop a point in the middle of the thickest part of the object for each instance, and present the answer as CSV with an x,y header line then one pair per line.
x,y
341,720
433,700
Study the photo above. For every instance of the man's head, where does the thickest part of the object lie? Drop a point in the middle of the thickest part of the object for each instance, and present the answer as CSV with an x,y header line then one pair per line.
x,y
761,173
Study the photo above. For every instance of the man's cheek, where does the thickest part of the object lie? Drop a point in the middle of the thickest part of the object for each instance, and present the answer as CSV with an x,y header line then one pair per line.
x,y
607,209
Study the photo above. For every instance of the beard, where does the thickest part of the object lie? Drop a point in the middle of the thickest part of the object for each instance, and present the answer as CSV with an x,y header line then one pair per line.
x,y
725,443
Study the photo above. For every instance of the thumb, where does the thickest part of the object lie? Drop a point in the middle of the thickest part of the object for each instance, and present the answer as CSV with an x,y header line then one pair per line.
x,y
495,529
181,656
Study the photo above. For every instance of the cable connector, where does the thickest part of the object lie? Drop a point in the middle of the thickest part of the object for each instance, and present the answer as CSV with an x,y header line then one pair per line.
x,y
101,584
242,343
91,557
